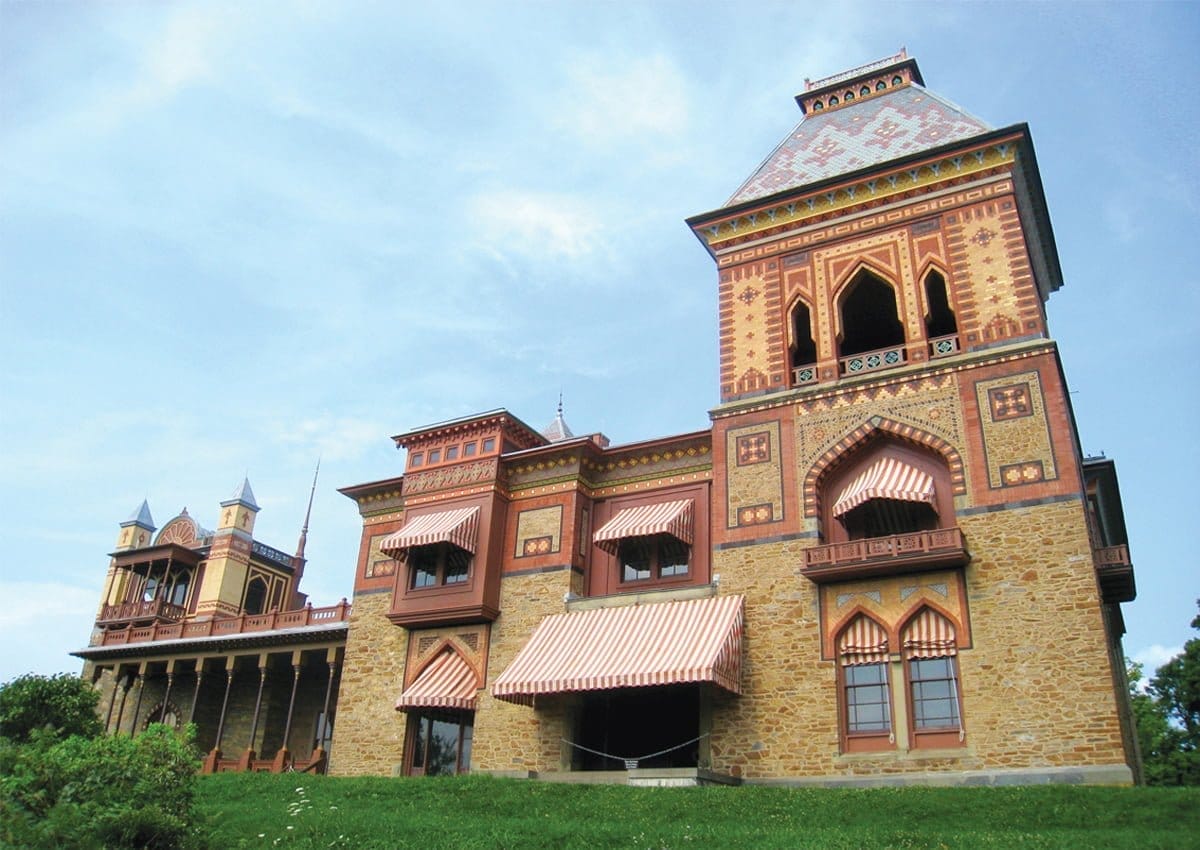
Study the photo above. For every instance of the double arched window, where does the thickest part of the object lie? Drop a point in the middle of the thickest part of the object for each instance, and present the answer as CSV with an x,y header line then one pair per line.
x,y
926,670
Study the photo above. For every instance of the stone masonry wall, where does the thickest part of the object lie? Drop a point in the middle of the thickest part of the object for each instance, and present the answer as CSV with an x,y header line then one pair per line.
x,y
518,737
1036,684
369,733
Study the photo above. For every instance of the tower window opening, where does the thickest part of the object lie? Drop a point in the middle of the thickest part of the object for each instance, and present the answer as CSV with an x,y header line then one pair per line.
x,y
939,321
803,350
256,596
869,318
864,91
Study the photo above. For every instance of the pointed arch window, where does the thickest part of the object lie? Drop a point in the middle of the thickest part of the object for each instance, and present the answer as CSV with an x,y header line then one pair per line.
x,y
930,653
864,686
178,585
941,325
871,326
256,596
802,352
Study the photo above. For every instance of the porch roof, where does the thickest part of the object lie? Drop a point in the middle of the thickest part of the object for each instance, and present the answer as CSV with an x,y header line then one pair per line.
x,y
695,640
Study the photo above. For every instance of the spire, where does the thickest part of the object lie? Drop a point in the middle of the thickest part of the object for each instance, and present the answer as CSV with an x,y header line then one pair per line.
x,y
141,517
558,430
242,495
308,513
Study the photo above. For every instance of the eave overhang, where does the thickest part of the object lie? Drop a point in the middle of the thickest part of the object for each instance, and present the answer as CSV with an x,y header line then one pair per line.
x,y
216,644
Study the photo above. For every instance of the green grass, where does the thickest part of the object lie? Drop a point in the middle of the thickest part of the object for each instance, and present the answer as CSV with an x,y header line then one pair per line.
x,y
480,812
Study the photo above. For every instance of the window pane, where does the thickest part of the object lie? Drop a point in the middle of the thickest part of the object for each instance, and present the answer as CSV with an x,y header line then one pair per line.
x,y
151,589
469,450
934,693
458,565
635,554
867,705
464,758
419,739
489,444
672,557
435,456
422,561
443,748
452,453
416,459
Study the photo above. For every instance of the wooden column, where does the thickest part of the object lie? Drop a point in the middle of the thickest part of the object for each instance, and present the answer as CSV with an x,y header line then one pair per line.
x,y
283,756
214,757
162,715
196,690
112,699
247,760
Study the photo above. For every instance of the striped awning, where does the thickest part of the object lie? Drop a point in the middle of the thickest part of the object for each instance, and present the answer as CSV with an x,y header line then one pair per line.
x,y
674,518
887,478
929,635
668,643
460,527
448,682
863,642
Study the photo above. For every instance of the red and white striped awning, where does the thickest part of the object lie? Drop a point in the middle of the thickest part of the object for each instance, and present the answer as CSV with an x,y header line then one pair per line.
x,y
887,478
448,682
863,642
634,646
929,635
460,527
674,518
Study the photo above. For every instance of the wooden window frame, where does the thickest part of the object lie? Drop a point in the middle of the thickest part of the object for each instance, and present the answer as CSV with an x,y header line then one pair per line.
x,y
464,719
867,741
934,737
442,579
657,544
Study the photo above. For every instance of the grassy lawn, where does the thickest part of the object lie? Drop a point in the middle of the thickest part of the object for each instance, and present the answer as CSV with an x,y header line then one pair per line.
x,y
480,812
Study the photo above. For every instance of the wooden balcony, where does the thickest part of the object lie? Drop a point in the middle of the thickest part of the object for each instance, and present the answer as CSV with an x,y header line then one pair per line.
x,y
228,626
874,556
156,610
1115,571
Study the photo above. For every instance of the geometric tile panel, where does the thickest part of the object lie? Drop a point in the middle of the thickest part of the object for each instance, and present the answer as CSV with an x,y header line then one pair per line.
x,y
755,482
1016,432
538,531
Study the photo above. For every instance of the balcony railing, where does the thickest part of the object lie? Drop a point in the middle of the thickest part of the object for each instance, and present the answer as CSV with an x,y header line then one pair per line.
x,y
155,609
944,346
802,375
920,550
1115,572
869,361
227,626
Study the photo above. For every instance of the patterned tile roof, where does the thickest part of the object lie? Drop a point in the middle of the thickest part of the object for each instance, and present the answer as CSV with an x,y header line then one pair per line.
x,y
869,132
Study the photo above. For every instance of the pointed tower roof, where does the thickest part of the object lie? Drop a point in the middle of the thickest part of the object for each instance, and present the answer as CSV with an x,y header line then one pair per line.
x,y
558,430
242,495
857,119
141,517
308,514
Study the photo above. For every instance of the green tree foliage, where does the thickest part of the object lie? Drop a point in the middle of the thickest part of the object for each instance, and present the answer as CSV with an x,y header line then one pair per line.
x,y
63,705
1168,717
107,792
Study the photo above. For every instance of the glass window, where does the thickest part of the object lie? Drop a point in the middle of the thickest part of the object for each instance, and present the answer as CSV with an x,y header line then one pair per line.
x,y
178,592
423,561
489,444
469,449
673,557
416,459
256,596
452,453
867,706
151,589
458,565
934,693
435,456
441,743
636,557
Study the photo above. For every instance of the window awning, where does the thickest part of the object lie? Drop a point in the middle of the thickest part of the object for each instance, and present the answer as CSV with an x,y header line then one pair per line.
x,y
448,682
460,527
863,642
668,643
929,635
674,518
887,478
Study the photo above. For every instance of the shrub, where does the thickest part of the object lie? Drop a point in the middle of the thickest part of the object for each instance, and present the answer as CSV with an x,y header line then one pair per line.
x,y
104,792
64,704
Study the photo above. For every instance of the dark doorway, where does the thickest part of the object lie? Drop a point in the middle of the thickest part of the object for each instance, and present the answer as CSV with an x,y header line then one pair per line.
x,y
632,723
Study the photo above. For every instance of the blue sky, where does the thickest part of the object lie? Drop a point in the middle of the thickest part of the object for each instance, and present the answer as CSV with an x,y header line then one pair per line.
x,y
235,237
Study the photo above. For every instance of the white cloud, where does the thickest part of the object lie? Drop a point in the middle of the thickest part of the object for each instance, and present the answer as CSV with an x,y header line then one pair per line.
x,y
624,100
537,226
1154,656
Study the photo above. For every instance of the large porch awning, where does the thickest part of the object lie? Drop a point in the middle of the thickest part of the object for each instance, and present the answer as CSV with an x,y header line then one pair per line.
x,y
448,682
668,643
887,478
460,527
674,518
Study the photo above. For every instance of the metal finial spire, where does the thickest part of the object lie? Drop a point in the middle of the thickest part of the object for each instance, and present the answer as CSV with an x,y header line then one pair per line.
x,y
308,513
